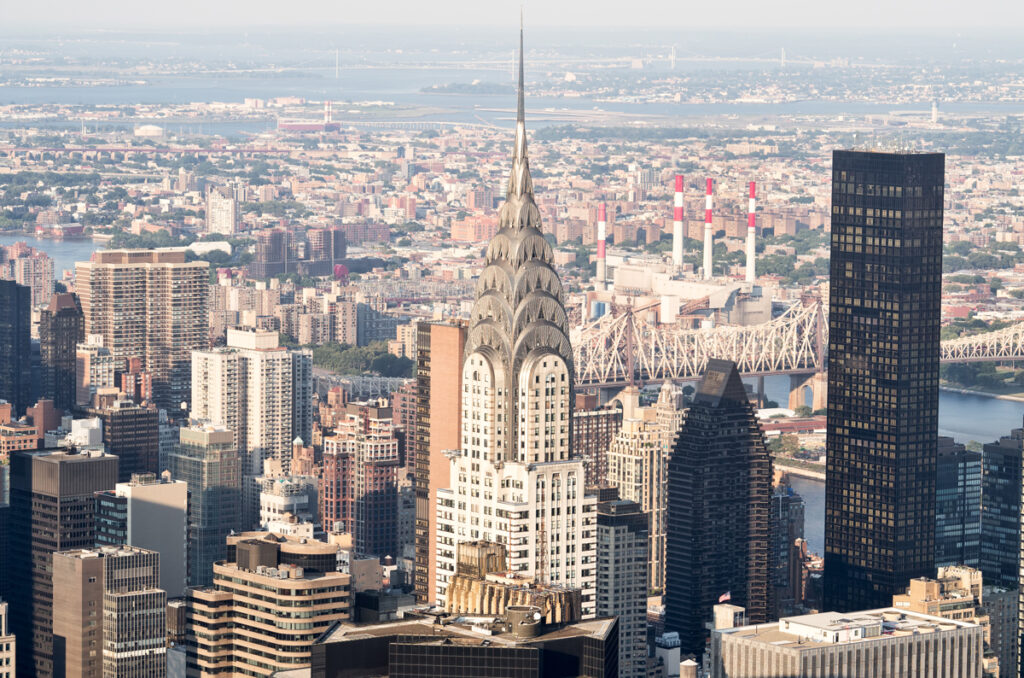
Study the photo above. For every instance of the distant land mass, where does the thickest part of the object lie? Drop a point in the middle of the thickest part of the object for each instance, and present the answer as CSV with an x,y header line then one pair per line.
x,y
468,88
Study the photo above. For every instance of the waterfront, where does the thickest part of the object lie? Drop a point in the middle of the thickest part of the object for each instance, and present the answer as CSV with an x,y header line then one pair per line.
x,y
64,252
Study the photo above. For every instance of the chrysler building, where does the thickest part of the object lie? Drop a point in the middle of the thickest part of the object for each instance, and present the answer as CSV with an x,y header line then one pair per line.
x,y
515,481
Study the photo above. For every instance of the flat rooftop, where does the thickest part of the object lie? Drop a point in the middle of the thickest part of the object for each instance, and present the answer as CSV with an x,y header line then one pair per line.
x,y
837,628
467,631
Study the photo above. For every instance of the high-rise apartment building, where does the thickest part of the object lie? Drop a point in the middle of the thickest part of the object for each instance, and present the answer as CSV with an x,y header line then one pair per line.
x,y
1001,468
221,212
52,509
622,579
207,460
718,545
439,349
149,512
131,432
95,369
150,304
638,461
514,480
15,345
359,482
271,257
260,391
883,374
109,613
300,595
282,493
33,269
61,329
957,505
593,429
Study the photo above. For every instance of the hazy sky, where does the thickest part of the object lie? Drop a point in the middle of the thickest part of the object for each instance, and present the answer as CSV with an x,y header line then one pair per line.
x,y
912,15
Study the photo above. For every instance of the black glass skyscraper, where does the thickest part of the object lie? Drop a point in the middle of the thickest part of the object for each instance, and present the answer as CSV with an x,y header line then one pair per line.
x,y
61,329
719,503
15,345
883,375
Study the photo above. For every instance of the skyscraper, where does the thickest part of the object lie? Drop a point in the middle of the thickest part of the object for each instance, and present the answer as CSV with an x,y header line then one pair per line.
x,y
221,212
61,329
261,392
514,480
1002,463
132,433
957,505
15,345
439,349
622,579
110,614
883,374
52,509
150,304
8,646
719,502
207,460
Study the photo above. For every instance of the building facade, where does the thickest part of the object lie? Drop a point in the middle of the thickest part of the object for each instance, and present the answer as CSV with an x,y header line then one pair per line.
x,y
439,349
1001,468
623,579
15,345
206,459
883,643
883,374
957,505
230,630
719,501
149,304
131,432
149,512
61,329
110,614
260,391
52,509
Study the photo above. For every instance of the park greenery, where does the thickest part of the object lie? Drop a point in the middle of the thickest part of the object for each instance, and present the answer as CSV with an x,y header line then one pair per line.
x,y
353,360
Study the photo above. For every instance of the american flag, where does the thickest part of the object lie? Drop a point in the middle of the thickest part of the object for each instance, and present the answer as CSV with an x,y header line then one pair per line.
x,y
725,596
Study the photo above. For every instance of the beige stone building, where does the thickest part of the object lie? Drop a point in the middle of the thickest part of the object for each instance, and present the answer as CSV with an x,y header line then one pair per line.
x,y
271,598
883,643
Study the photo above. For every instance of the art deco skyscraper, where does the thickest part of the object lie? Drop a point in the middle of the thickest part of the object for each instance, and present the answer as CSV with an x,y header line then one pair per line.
x,y
514,480
883,375
719,501
148,304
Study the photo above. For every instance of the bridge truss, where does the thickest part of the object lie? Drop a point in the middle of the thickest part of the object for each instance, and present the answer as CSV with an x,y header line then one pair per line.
x,y
628,348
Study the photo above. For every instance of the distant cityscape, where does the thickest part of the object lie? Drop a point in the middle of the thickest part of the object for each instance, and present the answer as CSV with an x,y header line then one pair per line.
x,y
490,360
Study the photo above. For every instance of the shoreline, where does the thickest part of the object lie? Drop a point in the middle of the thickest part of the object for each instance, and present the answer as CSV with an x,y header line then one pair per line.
x,y
984,394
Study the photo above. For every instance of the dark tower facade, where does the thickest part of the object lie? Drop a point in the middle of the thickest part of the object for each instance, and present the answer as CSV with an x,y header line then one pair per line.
x,y
883,375
15,345
61,329
719,510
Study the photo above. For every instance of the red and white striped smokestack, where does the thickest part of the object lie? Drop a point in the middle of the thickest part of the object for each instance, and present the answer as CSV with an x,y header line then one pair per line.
x,y
708,232
751,232
677,226
602,268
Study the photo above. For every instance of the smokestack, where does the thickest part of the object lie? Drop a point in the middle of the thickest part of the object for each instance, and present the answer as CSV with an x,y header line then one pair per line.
x,y
708,233
751,232
602,269
677,226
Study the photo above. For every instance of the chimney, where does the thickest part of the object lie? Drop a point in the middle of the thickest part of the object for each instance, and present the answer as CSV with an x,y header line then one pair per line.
x,y
708,233
751,233
677,226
